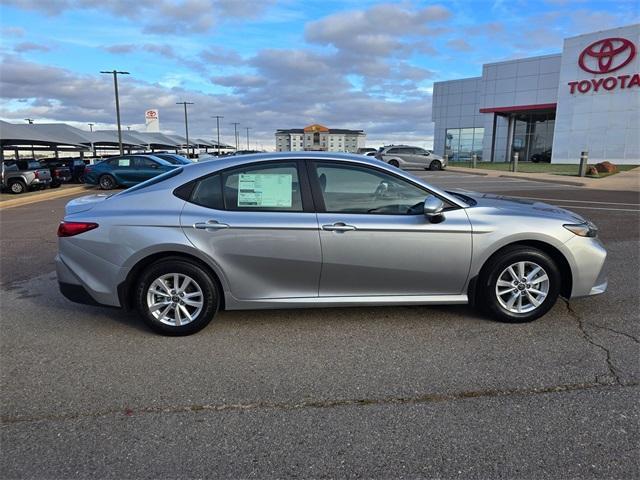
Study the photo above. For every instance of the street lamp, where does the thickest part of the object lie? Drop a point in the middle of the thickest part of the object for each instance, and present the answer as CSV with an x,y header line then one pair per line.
x,y
248,128
186,122
91,126
235,133
29,121
115,74
218,117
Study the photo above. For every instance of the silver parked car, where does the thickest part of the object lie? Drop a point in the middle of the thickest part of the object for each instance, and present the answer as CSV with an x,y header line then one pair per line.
x,y
292,230
405,156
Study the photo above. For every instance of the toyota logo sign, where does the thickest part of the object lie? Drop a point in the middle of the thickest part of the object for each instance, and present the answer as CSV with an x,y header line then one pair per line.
x,y
607,55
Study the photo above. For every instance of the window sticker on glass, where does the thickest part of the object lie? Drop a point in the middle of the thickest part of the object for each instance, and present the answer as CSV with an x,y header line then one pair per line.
x,y
265,190
124,162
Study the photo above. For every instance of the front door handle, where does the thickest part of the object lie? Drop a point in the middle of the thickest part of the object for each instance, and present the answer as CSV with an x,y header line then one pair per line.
x,y
338,227
210,225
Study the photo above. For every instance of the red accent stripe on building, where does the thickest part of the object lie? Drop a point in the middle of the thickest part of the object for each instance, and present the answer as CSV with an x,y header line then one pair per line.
x,y
519,108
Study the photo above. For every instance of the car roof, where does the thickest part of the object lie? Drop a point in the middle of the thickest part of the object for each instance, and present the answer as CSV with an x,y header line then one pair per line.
x,y
199,169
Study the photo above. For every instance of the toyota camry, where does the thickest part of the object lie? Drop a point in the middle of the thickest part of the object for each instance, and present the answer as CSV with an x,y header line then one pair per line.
x,y
297,230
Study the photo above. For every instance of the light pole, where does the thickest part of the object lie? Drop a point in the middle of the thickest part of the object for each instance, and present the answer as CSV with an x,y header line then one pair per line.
x,y
218,117
186,122
235,133
115,86
248,128
91,126
30,122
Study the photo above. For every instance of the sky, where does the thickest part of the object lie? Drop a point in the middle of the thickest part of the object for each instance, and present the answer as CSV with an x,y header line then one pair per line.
x,y
269,64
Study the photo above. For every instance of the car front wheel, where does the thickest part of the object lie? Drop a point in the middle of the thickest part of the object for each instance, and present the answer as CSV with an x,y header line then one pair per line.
x,y
107,182
519,285
176,297
435,165
17,187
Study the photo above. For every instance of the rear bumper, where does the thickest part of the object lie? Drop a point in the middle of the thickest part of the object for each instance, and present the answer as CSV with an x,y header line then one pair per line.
x,y
77,293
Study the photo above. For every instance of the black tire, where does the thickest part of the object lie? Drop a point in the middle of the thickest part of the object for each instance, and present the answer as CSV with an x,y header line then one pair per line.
x,y
394,163
55,184
210,295
107,182
17,186
487,298
435,165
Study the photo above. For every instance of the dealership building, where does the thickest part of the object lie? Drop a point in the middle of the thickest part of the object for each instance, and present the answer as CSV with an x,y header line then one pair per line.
x,y
586,98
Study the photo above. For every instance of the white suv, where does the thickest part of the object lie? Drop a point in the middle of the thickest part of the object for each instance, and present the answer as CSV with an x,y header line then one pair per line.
x,y
406,156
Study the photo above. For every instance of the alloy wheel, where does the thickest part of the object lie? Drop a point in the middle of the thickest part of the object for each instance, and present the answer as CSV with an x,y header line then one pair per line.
x,y
175,299
522,287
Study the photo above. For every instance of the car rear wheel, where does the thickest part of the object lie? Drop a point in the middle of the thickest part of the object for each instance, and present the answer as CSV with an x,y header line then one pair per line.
x,y
17,187
395,163
107,182
435,165
519,285
176,297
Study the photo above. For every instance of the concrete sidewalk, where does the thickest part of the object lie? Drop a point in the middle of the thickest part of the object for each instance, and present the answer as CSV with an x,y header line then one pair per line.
x,y
11,201
624,181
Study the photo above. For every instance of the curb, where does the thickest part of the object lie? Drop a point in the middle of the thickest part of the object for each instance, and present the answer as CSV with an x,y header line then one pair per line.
x,y
459,170
42,197
546,180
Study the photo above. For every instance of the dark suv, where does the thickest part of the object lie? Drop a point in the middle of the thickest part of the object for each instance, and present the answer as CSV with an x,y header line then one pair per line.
x,y
60,173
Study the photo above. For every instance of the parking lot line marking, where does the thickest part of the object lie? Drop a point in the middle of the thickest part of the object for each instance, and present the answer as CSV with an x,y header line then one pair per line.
x,y
599,208
578,201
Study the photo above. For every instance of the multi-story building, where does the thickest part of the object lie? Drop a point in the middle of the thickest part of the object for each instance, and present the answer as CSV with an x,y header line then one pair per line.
x,y
553,107
319,138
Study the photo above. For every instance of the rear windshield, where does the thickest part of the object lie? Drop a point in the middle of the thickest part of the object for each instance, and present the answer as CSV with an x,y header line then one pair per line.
x,y
153,181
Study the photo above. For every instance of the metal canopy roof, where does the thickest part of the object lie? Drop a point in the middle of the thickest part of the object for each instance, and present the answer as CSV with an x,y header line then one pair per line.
x,y
48,134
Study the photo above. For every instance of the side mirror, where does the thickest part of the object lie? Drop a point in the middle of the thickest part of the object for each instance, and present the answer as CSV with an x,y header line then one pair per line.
x,y
433,207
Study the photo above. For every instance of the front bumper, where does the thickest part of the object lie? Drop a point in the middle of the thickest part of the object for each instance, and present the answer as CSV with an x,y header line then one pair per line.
x,y
587,259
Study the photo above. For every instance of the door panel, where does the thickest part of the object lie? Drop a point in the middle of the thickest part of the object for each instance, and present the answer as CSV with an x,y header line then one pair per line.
x,y
376,241
262,255
255,222
395,254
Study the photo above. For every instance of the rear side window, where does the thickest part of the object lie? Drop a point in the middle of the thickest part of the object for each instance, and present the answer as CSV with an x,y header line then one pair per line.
x,y
208,192
267,187
272,187
152,181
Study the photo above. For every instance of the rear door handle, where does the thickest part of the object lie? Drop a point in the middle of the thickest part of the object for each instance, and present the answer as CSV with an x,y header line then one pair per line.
x,y
338,227
210,225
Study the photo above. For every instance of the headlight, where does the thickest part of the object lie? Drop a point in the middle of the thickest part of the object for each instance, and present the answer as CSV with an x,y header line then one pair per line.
x,y
586,229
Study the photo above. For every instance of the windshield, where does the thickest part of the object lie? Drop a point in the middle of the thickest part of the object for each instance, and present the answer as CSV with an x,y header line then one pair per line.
x,y
152,181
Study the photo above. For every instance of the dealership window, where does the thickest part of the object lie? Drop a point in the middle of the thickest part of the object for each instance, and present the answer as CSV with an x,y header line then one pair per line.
x,y
461,143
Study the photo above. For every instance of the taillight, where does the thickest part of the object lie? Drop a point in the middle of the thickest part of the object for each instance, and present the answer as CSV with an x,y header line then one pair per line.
x,y
87,169
69,229
36,174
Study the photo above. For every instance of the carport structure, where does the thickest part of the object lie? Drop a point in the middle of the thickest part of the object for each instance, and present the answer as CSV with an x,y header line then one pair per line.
x,y
55,137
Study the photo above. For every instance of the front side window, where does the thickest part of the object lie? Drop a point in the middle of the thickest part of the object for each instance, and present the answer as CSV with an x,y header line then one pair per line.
x,y
356,189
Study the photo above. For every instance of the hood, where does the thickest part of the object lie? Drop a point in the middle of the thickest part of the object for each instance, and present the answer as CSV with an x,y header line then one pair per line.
x,y
521,206
82,204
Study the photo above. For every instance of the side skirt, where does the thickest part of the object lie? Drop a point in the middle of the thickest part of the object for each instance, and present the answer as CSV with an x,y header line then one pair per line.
x,y
311,302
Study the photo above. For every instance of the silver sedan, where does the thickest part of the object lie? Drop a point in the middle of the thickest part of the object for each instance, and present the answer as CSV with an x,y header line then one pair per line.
x,y
294,230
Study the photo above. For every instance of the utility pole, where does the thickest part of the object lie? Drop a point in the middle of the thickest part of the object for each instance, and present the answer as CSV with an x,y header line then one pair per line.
x,y
248,128
186,122
218,117
235,133
115,74
91,126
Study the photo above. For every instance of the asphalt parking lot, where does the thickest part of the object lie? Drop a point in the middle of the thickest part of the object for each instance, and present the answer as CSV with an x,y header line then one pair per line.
x,y
349,392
